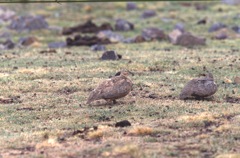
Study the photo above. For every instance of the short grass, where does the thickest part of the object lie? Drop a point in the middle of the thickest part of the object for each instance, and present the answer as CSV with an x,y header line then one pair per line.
x,y
43,111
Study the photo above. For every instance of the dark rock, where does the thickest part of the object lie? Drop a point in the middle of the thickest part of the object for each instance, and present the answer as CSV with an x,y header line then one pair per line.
x,y
111,36
28,23
131,6
98,47
189,40
123,123
152,33
180,27
153,96
216,27
85,41
236,29
88,27
202,21
57,45
123,25
110,55
8,44
148,14
26,41
49,51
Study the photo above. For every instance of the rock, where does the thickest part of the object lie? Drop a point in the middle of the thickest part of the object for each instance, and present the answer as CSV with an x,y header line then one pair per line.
x,y
98,47
131,6
148,14
123,25
111,36
231,2
28,23
123,123
199,87
152,33
237,80
202,21
26,41
236,29
199,6
221,36
86,41
8,44
216,27
112,89
5,35
88,27
173,36
57,44
110,55
6,14
189,40
225,33
180,27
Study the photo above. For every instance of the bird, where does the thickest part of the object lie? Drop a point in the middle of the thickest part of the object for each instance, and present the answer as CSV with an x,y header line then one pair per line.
x,y
199,87
113,88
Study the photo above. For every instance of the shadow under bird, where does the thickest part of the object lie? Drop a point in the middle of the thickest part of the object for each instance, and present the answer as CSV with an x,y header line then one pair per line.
x,y
111,89
199,87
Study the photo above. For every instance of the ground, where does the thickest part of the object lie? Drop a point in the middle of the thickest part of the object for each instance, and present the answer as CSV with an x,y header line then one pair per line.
x,y
43,111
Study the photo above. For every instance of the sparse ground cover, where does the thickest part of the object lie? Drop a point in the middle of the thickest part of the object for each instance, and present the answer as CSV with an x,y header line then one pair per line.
x,y
43,95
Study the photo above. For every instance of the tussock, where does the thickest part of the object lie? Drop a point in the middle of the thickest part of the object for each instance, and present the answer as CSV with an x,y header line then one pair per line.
x,y
140,131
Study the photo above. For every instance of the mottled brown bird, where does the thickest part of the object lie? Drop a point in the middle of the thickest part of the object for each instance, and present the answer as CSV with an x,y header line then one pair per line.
x,y
111,89
199,87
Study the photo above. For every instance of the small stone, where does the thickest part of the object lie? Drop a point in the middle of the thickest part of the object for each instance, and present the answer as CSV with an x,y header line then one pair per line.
x,y
148,14
236,29
180,27
28,23
123,25
231,2
131,6
8,44
202,21
98,47
57,45
111,36
216,27
237,80
110,55
153,33
189,40
221,36
123,123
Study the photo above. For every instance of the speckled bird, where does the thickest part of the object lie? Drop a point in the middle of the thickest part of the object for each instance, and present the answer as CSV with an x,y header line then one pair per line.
x,y
199,87
111,89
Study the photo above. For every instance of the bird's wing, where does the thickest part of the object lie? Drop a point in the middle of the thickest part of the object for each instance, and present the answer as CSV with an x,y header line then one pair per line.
x,y
100,90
